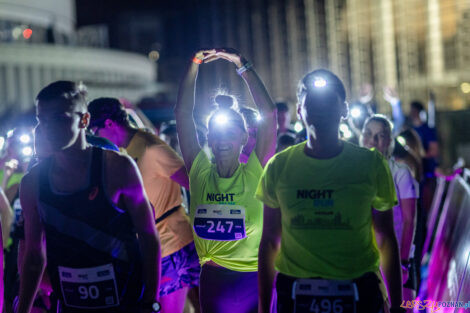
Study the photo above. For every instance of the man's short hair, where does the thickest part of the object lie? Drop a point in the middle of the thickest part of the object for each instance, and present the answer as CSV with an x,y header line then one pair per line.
x,y
417,105
282,107
102,109
64,90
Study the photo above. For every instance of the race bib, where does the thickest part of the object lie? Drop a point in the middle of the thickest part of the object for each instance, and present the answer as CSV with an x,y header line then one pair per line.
x,y
324,296
89,288
220,222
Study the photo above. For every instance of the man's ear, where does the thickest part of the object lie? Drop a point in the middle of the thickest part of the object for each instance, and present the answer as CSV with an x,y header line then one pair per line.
x,y
299,112
85,120
109,123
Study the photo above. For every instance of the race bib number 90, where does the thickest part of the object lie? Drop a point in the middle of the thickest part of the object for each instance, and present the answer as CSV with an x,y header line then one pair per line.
x,y
220,222
89,288
324,296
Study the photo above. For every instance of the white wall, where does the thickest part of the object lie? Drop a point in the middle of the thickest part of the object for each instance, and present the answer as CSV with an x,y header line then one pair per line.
x,y
60,13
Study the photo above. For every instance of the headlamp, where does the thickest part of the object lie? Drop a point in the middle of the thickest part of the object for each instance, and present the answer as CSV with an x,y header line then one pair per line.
x,y
356,112
27,151
298,127
401,140
221,119
319,82
25,138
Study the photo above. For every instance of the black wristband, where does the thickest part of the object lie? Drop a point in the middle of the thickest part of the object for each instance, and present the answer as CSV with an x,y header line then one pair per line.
x,y
397,310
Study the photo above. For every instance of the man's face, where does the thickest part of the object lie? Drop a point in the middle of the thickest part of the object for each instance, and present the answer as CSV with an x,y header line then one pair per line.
x,y
60,122
323,113
283,119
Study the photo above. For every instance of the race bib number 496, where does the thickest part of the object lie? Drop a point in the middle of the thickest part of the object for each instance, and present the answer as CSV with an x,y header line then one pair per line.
x,y
89,288
324,296
220,222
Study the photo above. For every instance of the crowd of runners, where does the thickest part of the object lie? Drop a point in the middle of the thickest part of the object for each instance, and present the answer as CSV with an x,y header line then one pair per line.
x,y
270,221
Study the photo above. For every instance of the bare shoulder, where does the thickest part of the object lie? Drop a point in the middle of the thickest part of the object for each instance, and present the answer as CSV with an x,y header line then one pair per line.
x,y
119,167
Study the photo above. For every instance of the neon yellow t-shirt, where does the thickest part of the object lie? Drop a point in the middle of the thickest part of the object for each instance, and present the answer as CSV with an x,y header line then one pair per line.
x,y
211,193
326,210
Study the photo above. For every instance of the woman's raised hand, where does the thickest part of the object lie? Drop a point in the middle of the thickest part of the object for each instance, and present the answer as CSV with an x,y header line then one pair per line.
x,y
205,55
230,55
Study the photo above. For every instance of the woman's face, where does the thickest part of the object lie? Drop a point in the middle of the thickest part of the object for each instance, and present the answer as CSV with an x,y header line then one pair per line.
x,y
226,142
376,135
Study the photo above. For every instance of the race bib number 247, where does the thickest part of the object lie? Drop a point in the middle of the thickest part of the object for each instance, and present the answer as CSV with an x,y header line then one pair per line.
x,y
220,222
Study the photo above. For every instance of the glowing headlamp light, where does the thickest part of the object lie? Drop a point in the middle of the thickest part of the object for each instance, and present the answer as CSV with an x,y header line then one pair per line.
x,y
27,151
298,127
356,112
319,82
401,140
221,119
25,138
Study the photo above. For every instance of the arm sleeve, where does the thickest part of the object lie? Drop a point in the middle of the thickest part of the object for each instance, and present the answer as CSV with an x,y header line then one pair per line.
x,y
200,163
168,161
386,197
266,191
406,184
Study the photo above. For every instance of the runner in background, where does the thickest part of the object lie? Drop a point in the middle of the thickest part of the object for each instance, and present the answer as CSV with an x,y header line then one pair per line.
x,y
226,217
162,172
323,199
377,133
87,207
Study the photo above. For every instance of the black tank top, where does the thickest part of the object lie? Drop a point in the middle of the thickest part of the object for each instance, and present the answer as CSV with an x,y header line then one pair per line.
x,y
93,257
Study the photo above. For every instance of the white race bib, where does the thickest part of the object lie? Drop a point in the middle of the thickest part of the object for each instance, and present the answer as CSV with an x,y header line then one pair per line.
x,y
89,288
221,222
324,296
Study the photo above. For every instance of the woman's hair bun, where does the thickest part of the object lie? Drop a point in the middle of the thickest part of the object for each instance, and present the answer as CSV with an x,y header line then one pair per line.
x,y
224,101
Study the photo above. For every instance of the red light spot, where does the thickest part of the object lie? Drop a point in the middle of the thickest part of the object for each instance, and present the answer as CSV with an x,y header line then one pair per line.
x,y
27,33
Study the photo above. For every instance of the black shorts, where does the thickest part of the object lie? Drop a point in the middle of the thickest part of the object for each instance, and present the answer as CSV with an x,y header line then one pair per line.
x,y
368,286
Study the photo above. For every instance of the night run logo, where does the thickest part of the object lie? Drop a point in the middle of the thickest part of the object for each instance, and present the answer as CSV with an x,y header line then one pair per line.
x,y
220,197
336,222
321,198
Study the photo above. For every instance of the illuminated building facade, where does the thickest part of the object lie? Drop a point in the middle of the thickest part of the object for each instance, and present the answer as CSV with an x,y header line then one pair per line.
x,y
413,45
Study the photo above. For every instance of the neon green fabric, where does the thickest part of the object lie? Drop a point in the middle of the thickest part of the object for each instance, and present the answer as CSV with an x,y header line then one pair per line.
x,y
326,210
206,187
15,178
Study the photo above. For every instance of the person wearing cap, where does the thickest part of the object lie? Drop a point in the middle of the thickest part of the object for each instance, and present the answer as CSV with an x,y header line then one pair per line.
x,y
325,203
226,218
162,172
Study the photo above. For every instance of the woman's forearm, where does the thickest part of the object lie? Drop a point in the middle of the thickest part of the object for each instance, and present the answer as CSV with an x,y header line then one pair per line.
x,y
258,91
266,274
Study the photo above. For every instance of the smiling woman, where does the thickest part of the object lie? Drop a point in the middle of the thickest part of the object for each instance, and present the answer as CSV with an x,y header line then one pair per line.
x,y
226,218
